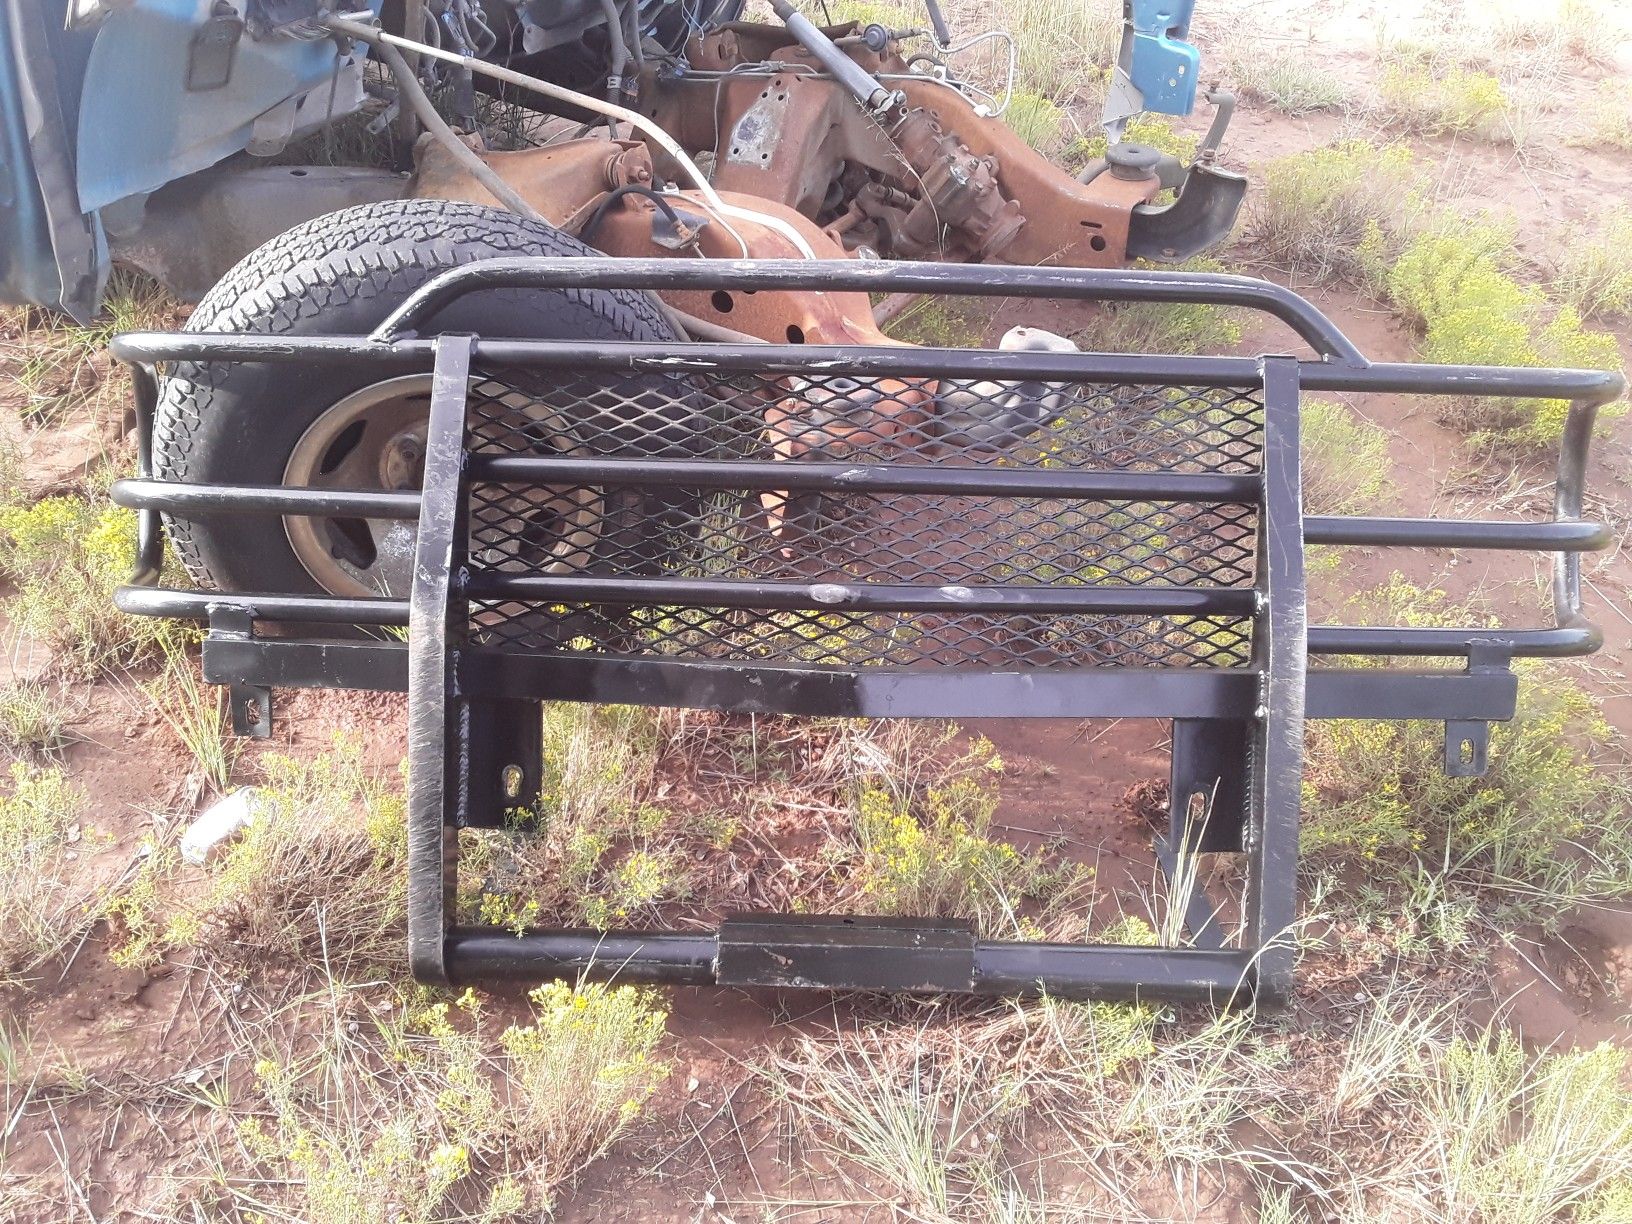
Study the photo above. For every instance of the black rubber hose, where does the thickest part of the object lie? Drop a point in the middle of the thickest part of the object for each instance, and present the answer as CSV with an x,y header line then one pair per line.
x,y
586,235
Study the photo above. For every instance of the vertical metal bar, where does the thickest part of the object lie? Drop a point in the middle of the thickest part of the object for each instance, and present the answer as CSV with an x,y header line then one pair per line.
x,y
1280,647
149,526
436,628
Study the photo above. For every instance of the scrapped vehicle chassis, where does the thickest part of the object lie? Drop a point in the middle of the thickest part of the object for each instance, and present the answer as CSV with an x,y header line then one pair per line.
x,y
999,637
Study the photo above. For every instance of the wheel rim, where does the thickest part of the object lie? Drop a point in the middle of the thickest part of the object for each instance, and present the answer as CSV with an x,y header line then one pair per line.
x,y
374,439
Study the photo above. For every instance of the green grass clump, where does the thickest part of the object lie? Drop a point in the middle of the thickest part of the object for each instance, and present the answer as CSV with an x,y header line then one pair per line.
x,y
47,896
929,850
1430,98
317,877
66,555
34,719
1338,213
429,1116
1593,272
1451,283
1037,121
589,850
1182,328
1345,460
1546,828
1286,79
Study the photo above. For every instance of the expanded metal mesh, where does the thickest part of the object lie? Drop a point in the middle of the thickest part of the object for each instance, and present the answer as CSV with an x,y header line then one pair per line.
x,y
972,540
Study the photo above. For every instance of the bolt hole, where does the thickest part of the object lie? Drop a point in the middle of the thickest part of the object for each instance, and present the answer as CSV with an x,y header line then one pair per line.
x,y
1097,242
1467,752
723,302
510,779
297,174
796,334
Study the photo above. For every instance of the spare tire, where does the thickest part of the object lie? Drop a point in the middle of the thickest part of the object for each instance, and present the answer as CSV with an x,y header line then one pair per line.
x,y
343,425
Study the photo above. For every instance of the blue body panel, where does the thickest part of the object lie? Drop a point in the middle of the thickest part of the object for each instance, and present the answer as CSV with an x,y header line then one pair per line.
x,y
1163,67
139,128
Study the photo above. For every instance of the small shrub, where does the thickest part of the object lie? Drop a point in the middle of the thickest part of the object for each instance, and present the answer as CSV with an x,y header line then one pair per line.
x,y
319,875
1338,213
66,556
1287,79
197,713
931,853
1544,829
1429,98
1526,1138
33,720
428,1118
47,895
1593,272
1038,122
1451,283
1345,459
1609,116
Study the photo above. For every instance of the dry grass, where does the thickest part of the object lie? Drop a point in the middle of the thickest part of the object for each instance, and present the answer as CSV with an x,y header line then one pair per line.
x,y
34,719
1592,273
1289,79
197,713
48,895
1345,460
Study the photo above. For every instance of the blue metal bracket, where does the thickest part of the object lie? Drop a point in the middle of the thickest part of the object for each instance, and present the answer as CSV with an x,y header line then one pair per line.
x,y
1162,66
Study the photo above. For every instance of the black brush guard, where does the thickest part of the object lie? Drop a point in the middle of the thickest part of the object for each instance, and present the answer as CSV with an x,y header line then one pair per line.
x,y
1139,553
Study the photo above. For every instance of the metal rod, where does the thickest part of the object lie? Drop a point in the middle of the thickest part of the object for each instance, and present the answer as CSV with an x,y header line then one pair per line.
x,y
176,498
314,609
1576,638
1566,536
1113,972
862,597
875,276
473,953
1211,487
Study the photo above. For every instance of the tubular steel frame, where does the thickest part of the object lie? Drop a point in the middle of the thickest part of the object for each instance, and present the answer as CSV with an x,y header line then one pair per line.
x,y
1238,731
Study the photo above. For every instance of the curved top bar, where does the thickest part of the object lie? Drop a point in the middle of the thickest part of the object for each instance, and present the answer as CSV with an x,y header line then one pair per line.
x,y
876,276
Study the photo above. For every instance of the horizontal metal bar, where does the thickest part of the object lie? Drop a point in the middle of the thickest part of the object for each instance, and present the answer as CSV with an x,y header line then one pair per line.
x,y
864,692
1085,971
151,347
314,609
868,478
174,497
861,596
372,666
1390,693
1114,972
874,276
1577,638
477,953
1566,536
1367,692
1410,378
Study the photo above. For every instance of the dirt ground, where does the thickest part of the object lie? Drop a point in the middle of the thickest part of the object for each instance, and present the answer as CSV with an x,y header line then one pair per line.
x,y
711,1146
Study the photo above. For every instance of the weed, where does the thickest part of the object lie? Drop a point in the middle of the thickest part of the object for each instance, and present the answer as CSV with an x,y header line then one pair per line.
x,y
1338,213
1287,79
1429,98
47,895
413,1117
1057,46
1609,116
1521,1137
33,719
1544,829
1037,121
1345,459
63,367
320,870
1451,282
936,324
196,712
1182,328
66,556
1592,274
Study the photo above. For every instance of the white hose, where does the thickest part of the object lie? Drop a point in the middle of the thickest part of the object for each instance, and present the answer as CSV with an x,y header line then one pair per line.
x,y
353,28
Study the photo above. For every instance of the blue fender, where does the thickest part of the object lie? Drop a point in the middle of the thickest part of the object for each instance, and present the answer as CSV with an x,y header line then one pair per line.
x,y
1163,67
